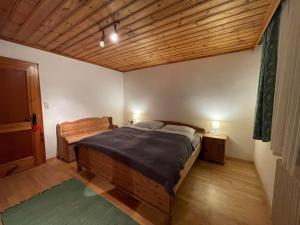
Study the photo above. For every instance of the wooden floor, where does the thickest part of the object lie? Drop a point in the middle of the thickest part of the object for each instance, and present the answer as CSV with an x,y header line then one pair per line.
x,y
210,195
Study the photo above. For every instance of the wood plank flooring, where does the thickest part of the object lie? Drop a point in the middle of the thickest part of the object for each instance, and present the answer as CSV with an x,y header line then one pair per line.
x,y
210,195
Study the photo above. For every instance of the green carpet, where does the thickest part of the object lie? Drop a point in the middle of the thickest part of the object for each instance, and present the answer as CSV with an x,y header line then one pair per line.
x,y
70,203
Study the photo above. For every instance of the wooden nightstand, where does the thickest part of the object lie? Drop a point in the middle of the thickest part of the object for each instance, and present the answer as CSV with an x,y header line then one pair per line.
x,y
213,147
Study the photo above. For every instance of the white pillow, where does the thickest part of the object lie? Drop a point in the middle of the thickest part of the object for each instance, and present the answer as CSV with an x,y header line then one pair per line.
x,y
187,131
151,125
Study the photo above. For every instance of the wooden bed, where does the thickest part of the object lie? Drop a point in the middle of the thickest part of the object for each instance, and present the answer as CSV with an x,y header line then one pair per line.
x,y
130,180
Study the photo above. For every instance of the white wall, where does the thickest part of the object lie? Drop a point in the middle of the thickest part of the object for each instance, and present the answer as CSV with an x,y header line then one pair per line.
x,y
217,88
265,163
73,89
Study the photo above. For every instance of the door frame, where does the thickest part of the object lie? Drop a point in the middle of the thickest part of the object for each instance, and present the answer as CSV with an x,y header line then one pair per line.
x,y
35,106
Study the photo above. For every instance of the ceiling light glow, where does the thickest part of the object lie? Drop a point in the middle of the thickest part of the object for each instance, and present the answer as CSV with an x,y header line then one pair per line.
x,y
114,36
102,43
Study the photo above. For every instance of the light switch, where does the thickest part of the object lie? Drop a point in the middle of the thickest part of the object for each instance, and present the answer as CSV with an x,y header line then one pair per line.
x,y
46,105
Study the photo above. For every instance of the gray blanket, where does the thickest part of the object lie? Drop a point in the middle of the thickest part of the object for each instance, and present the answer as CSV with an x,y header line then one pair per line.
x,y
159,156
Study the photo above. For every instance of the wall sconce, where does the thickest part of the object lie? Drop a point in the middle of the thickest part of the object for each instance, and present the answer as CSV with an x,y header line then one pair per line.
x,y
215,125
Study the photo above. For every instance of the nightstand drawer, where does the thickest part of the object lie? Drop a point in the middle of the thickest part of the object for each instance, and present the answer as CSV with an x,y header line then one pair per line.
x,y
213,148
213,152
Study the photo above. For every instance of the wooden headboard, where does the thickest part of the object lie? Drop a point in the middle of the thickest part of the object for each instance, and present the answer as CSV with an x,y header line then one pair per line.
x,y
198,129
85,125
68,133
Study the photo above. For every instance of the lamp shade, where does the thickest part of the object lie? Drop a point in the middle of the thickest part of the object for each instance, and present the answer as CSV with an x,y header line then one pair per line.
x,y
136,117
215,124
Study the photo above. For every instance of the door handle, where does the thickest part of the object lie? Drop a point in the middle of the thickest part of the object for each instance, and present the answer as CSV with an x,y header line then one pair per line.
x,y
32,119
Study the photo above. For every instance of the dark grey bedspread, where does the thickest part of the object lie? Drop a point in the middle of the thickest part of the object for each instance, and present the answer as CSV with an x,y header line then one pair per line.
x,y
159,156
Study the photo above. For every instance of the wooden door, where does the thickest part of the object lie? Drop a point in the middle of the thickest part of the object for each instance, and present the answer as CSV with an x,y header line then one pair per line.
x,y
21,123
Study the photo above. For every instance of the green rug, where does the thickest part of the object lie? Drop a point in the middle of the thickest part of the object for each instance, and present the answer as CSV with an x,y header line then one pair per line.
x,y
70,203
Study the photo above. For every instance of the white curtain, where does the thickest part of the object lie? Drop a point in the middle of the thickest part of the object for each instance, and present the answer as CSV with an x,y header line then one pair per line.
x,y
285,139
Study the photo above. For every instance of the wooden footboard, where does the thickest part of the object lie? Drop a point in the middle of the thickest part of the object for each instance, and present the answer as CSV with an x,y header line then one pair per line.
x,y
130,180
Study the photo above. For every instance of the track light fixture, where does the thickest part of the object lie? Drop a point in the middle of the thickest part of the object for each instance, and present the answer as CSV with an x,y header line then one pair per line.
x,y
102,43
114,37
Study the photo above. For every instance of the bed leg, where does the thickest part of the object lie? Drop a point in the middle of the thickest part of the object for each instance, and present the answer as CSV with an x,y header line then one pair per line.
x,y
79,168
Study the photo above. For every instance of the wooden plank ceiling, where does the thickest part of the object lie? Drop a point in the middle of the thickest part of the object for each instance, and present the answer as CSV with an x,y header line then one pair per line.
x,y
152,32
